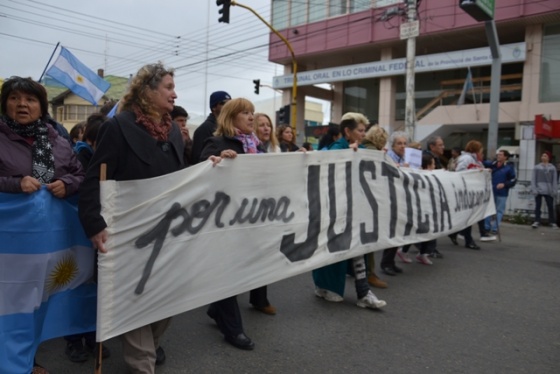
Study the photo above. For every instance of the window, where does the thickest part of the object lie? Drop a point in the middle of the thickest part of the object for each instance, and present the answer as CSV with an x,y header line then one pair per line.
x,y
298,14
78,112
280,16
290,13
317,11
550,68
362,96
337,7
359,5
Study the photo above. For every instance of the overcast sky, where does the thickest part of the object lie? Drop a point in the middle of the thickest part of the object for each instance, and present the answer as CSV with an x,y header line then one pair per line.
x,y
121,36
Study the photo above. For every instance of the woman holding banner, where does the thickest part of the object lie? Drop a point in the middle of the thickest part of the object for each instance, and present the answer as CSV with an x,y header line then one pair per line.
x,y
375,139
330,280
235,135
32,152
140,142
32,155
470,158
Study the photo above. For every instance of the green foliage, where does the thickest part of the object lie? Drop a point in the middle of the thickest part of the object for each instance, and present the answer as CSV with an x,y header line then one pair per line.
x,y
519,218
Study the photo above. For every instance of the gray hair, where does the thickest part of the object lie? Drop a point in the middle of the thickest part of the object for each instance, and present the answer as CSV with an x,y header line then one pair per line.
x,y
432,140
397,134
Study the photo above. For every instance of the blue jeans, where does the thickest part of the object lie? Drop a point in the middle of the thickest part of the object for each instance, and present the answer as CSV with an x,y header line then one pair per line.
x,y
550,205
500,202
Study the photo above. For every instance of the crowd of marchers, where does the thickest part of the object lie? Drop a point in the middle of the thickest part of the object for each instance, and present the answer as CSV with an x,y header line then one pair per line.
x,y
148,137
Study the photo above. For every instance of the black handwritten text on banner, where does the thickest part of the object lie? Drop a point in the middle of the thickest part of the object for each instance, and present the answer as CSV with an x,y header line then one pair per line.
x,y
186,239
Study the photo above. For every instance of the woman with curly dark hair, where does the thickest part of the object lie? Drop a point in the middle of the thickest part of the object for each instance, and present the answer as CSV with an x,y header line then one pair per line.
x,y
140,142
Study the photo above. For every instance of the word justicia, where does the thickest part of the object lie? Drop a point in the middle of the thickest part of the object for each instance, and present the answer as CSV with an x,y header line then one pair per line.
x,y
379,188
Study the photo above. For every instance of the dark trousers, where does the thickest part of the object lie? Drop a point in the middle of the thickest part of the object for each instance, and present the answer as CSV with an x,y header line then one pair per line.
x,y
258,298
88,336
227,316
549,204
405,248
388,259
467,233
481,227
427,247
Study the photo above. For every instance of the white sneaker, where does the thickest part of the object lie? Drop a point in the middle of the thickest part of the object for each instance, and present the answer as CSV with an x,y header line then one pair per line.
x,y
554,226
403,256
370,301
423,259
328,295
487,238
459,236
535,225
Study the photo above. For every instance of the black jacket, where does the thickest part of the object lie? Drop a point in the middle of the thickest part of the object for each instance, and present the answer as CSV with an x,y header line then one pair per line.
x,y
216,144
201,134
130,152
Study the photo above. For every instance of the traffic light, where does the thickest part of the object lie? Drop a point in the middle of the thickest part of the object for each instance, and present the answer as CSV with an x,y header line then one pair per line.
x,y
257,83
224,11
283,115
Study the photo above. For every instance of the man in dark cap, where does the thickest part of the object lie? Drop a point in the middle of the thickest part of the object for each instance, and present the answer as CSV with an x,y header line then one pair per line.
x,y
207,128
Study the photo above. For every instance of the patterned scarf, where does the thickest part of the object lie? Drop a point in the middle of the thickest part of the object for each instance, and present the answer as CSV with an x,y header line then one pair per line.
x,y
250,141
159,131
41,150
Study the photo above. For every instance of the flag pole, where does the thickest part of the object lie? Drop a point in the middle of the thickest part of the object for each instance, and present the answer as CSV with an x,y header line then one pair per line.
x,y
99,357
44,70
473,94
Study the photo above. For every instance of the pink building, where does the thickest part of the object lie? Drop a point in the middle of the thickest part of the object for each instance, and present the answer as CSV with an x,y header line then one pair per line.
x,y
354,47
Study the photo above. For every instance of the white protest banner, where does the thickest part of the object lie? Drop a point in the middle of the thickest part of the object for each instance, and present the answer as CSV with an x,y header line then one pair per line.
x,y
186,239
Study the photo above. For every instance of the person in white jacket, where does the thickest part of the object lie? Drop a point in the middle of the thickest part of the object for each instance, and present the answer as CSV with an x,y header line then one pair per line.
x,y
544,184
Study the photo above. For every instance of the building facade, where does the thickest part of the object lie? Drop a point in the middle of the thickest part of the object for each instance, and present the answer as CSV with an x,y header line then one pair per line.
x,y
350,53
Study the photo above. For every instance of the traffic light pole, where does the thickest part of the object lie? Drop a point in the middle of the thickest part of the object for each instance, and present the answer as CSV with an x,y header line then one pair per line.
x,y
293,113
493,122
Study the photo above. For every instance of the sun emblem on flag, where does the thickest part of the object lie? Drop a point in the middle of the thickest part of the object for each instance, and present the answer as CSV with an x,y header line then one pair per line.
x,y
63,273
80,79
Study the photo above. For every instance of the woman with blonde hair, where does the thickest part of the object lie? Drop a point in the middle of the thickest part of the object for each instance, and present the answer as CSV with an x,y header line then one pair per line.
x,y
265,133
375,139
235,135
140,142
358,117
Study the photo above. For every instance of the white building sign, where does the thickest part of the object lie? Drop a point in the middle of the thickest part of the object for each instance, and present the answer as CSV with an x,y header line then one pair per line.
x,y
515,52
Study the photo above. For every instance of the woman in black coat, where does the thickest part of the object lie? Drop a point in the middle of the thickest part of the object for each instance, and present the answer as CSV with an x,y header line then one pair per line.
x,y
140,142
234,136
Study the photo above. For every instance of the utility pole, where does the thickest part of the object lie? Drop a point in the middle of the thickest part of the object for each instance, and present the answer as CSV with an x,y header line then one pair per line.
x,y
410,31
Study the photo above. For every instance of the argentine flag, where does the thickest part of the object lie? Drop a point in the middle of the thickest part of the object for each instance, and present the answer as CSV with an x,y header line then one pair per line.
x,y
80,79
468,86
46,275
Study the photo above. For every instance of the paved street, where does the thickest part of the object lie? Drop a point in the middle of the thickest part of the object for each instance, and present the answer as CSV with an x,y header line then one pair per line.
x,y
491,311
